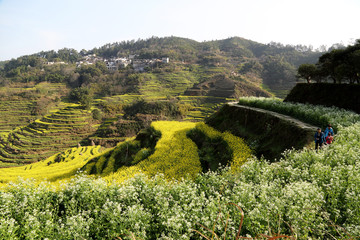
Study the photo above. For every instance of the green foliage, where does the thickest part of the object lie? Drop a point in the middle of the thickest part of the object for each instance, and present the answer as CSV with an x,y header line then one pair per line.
x,y
148,137
41,106
161,108
213,150
91,70
307,71
217,150
278,73
31,61
120,128
111,109
55,78
82,96
101,66
339,65
96,114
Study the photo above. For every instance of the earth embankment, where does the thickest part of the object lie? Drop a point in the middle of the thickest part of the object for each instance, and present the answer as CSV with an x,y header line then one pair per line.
x,y
267,132
345,96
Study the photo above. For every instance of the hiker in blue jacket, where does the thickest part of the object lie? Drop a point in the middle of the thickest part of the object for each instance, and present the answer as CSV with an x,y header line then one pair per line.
x,y
319,138
327,130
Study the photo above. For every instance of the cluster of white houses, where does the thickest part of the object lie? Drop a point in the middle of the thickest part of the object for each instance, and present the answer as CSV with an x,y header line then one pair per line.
x,y
114,64
55,63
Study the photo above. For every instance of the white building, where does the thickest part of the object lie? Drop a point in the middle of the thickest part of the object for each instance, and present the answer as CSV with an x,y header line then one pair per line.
x,y
165,60
111,66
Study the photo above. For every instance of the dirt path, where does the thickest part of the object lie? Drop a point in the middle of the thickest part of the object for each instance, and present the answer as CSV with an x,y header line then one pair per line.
x,y
296,122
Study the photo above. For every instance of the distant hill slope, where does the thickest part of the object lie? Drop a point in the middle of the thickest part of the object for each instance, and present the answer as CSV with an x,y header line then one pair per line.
x,y
222,86
247,63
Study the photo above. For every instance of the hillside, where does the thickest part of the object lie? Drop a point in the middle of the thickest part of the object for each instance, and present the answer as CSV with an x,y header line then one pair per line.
x,y
39,120
197,77
166,66
273,65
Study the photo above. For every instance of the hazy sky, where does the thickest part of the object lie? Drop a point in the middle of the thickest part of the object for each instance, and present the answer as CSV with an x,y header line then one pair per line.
x,y
29,26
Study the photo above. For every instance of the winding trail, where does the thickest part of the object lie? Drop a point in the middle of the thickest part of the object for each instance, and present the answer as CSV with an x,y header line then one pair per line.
x,y
294,121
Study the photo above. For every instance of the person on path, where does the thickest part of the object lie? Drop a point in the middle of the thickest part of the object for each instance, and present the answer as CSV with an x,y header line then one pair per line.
x,y
329,138
328,130
319,138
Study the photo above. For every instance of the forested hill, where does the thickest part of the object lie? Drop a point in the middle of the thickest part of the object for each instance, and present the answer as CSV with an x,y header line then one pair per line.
x,y
250,67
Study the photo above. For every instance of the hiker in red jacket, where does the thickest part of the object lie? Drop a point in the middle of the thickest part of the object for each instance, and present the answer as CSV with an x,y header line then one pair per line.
x,y
329,138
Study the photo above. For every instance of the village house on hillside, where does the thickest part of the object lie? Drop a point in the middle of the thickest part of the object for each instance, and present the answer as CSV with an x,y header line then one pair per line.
x,y
165,60
55,63
114,64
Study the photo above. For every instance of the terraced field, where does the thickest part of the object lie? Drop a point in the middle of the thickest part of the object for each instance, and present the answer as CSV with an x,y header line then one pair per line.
x,y
17,101
57,167
25,139
201,106
14,114
46,136
166,84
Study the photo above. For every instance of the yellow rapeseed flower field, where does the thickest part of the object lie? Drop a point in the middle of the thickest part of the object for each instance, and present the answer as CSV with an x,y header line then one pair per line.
x,y
175,156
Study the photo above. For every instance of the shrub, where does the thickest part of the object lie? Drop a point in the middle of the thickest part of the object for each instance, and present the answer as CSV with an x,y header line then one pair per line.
x,y
82,96
96,114
163,108
216,148
41,106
